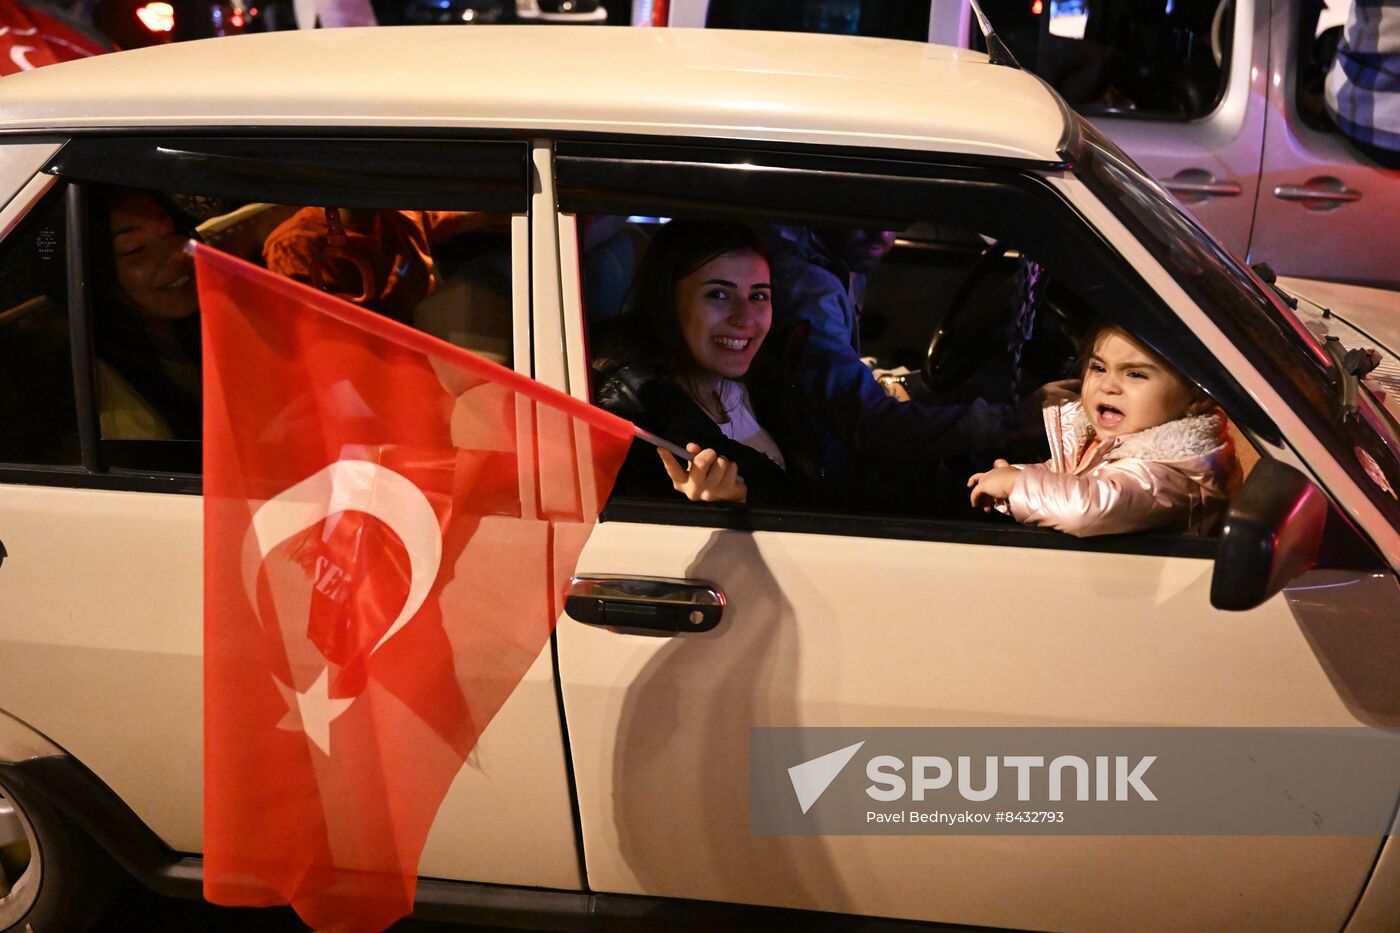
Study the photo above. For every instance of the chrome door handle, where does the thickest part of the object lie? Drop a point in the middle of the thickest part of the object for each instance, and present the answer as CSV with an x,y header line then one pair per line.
x,y
1194,185
1319,194
1203,189
644,605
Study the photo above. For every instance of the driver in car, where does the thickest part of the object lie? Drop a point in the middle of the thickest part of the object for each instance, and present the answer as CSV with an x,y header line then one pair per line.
x,y
819,277
1142,449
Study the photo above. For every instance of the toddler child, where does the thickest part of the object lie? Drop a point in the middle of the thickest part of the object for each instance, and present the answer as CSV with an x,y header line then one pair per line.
x,y
1140,450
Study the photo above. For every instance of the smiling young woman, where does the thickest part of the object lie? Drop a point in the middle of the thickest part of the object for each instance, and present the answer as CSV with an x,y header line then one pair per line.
x,y
678,364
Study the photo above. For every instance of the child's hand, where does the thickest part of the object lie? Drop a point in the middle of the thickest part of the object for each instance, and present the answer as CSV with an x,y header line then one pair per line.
x,y
711,478
992,486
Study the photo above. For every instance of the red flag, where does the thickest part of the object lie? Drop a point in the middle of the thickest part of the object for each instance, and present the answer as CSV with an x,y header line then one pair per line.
x,y
389,523
30,39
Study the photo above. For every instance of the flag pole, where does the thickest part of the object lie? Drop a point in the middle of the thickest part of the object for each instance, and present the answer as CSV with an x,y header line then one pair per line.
x,y
664,444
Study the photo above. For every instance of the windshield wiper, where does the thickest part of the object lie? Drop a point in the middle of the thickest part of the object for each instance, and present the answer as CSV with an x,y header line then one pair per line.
x,y
1351,366
1270,277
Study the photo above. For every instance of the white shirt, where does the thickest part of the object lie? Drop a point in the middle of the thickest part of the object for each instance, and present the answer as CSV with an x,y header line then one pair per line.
x,y
742,426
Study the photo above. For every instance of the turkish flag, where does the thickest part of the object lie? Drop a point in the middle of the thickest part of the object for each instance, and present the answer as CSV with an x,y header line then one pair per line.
x,y
389,524
31,38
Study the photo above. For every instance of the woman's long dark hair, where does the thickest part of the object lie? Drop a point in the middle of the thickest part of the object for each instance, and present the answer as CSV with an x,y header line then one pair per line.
x,y
648,332
119,336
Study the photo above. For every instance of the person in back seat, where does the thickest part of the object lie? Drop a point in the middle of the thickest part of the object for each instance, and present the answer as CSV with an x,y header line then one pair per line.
x,y
386,263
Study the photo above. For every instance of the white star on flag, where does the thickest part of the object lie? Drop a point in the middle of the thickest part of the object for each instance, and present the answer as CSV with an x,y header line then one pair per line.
x,y
313,711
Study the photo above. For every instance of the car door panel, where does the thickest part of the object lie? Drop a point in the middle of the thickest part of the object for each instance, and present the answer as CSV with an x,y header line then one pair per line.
x,y
1219,153
852,628
101,592
1363,198
829,630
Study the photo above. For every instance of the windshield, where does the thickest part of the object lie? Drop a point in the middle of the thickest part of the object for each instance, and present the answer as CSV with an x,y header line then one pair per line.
x,y
1251,315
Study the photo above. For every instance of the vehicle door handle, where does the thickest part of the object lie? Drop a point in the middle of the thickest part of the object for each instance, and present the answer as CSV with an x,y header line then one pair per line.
x,y
1194,185
1319,194
644,605
1203,189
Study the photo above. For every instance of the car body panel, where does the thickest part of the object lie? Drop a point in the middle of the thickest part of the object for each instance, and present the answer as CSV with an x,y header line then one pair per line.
x,y
18,164
1380,904
110,675
661,726
1360,316
708,83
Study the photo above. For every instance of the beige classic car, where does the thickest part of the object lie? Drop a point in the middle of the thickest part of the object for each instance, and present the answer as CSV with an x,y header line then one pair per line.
x,y
613,785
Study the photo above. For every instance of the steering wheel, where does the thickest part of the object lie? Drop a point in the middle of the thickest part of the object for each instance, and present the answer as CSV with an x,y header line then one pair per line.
x,y
941,368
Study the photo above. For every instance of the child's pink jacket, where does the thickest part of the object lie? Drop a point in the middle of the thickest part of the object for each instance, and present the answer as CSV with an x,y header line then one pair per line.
x,y
1175,477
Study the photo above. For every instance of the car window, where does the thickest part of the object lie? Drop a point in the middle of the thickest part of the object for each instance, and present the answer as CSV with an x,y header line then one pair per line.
x,y
888,19
1003,294
420,231
447,272
1167,60
38,421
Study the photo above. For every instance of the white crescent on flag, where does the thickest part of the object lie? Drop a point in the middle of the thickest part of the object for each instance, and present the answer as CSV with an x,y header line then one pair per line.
x,y
361,486
343,486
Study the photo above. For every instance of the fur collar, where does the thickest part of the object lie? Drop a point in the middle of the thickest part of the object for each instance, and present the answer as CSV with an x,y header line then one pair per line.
x,y
1182,439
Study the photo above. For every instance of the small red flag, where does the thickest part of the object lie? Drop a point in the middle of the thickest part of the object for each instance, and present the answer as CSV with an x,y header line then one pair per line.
x,y
389,524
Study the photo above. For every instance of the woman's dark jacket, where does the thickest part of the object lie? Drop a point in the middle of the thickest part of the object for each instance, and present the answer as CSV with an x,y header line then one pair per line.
x,y
644,396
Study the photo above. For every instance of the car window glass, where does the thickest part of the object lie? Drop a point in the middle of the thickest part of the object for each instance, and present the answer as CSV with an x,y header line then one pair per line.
x,y
888,19
1000,321
38,422
1164,60
444,272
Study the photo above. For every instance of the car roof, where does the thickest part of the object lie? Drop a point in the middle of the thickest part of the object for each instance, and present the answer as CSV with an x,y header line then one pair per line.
x,y
749,86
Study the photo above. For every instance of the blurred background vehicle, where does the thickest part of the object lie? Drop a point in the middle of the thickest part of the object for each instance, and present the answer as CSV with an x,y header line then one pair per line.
x,y
36,34
1220,100
467,12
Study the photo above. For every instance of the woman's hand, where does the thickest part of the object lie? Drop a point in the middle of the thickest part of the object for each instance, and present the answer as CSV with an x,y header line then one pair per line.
x,y
992,486
710,478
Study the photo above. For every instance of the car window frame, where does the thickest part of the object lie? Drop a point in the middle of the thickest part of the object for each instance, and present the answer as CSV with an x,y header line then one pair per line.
x,y
769,182
331,165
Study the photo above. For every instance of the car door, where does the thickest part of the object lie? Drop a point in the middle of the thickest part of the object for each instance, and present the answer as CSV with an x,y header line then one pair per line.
x,y
1180,87
100,513
863,620
1325,210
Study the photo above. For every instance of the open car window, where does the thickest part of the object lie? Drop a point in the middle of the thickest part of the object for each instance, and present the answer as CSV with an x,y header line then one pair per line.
x,y
1004,294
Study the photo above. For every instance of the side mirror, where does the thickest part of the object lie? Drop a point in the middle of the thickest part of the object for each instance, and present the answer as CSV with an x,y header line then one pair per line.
x,y
1271,535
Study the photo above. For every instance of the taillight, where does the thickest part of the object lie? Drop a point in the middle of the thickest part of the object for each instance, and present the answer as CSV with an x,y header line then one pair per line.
x,y
157,16
660,10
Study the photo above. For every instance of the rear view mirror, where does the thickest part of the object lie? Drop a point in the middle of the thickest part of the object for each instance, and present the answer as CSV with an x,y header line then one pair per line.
x,y
1271,535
